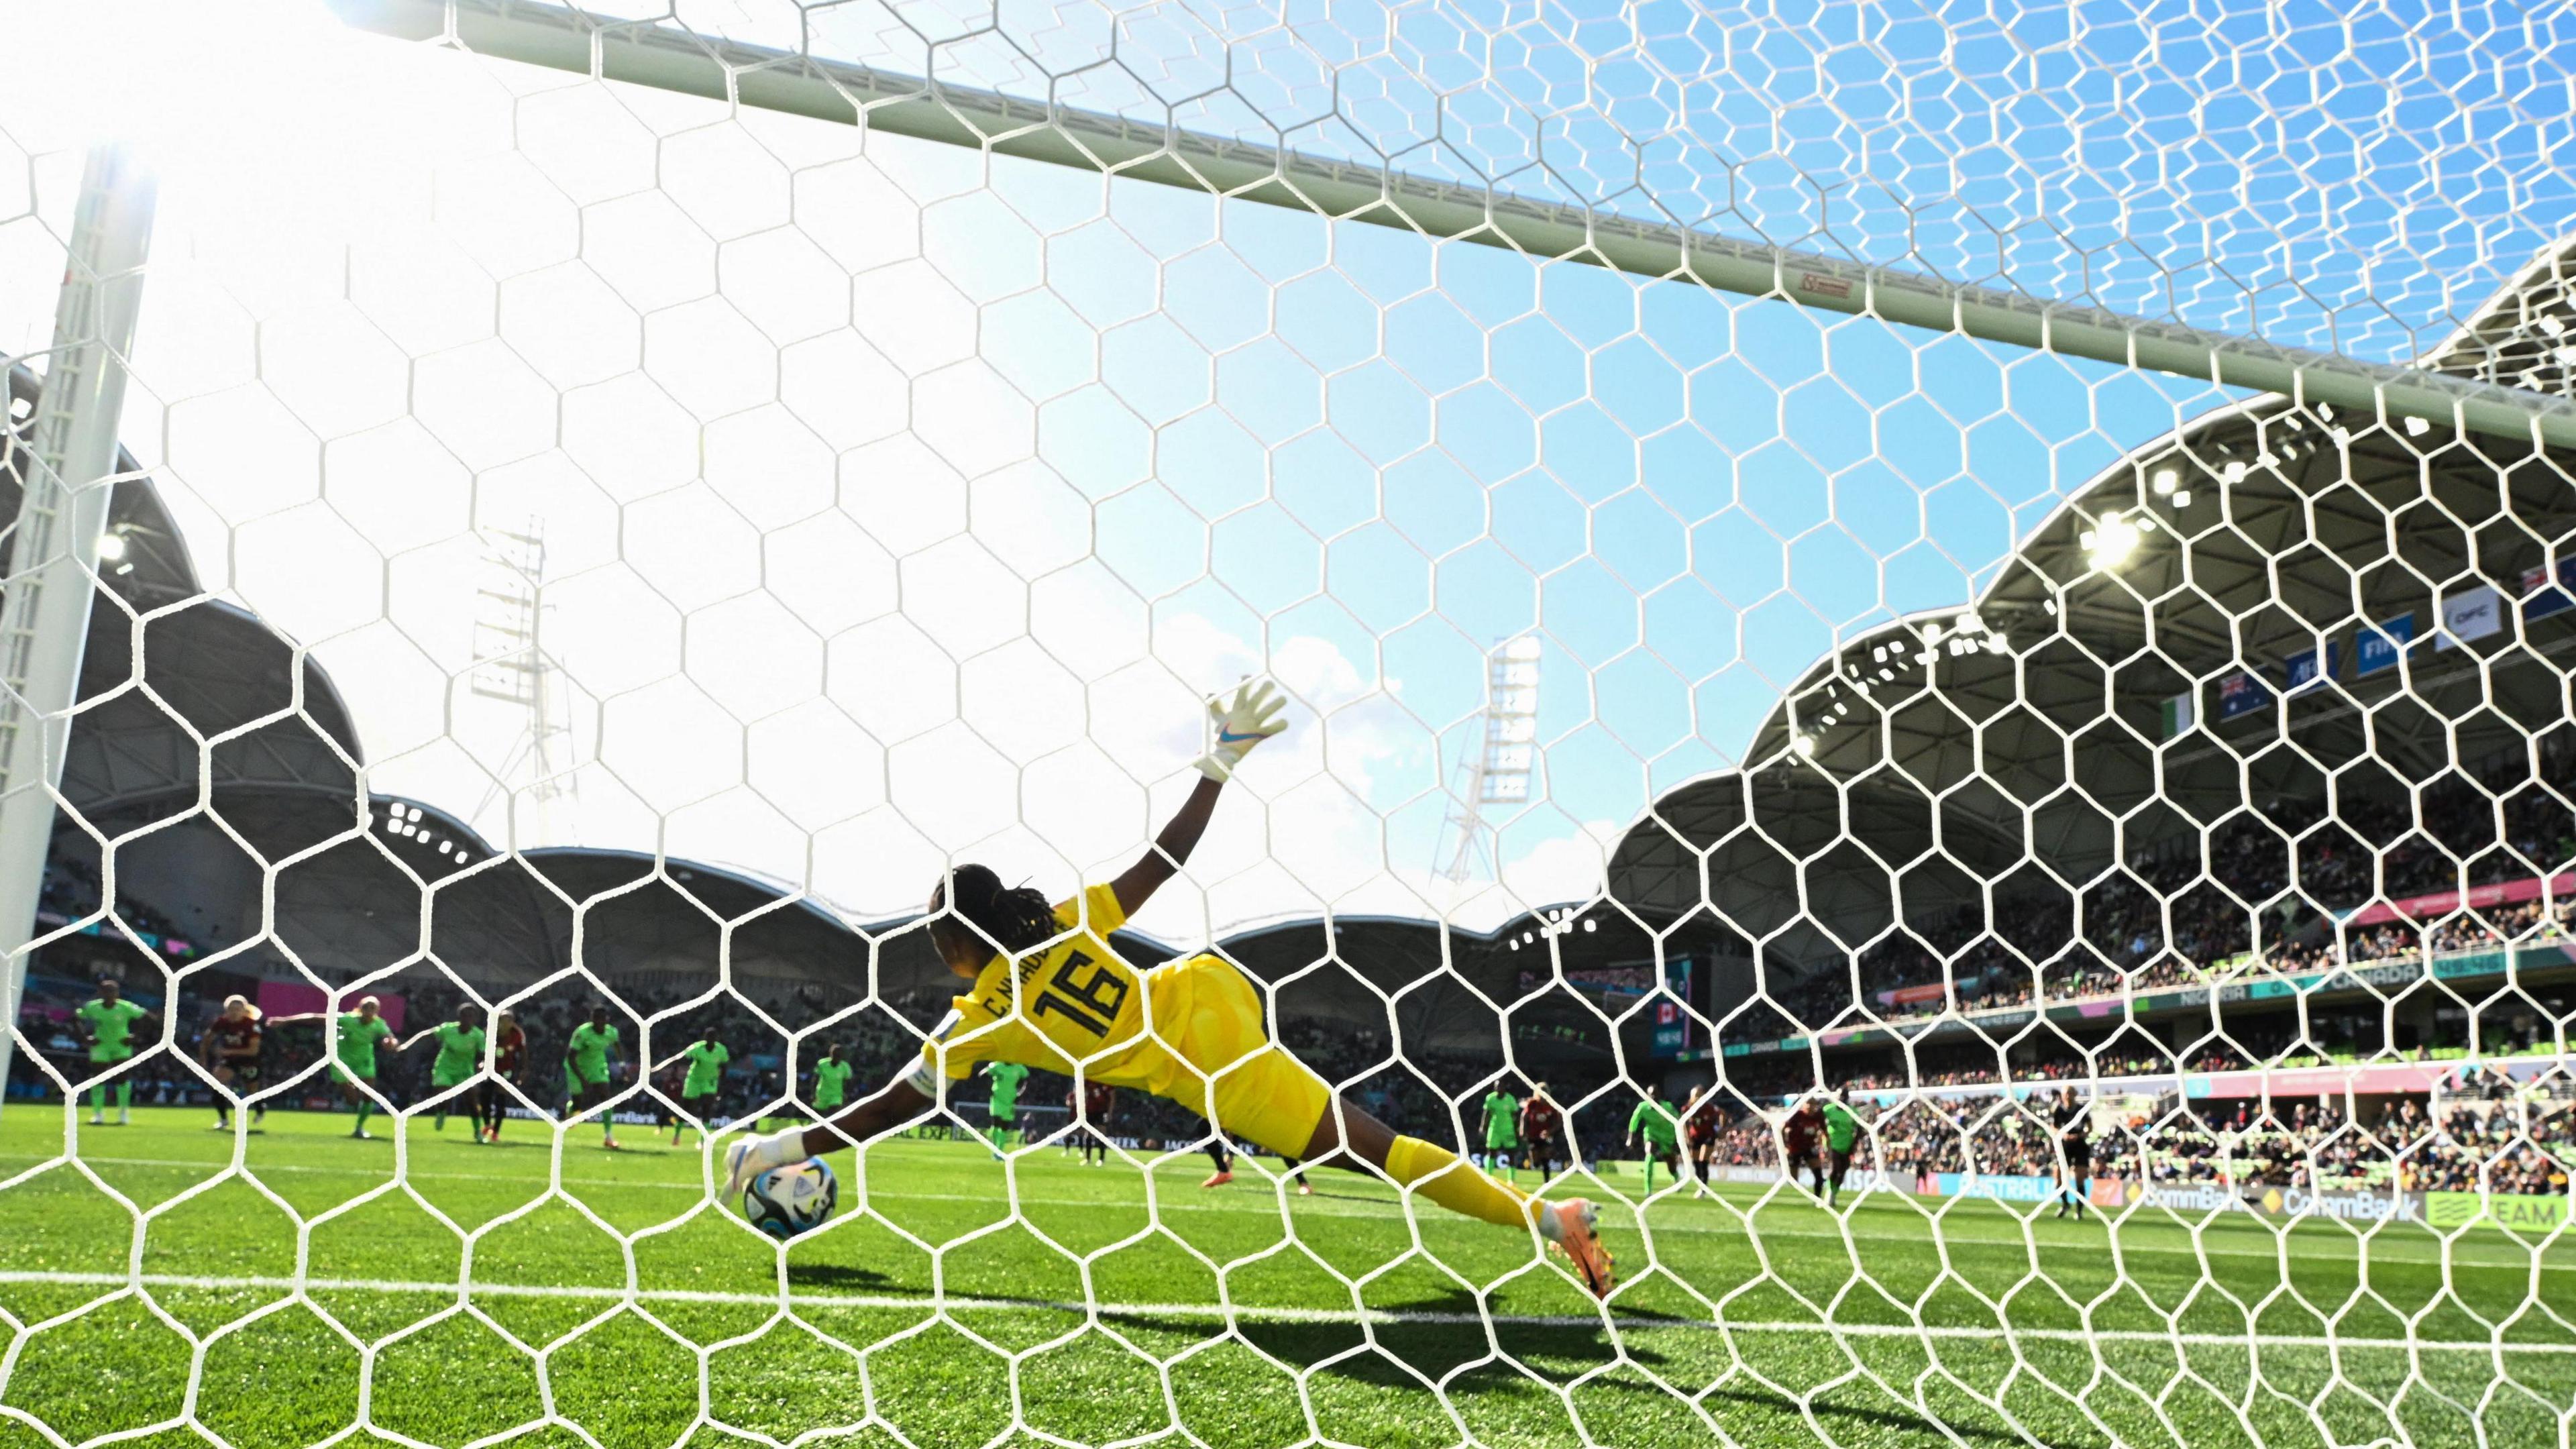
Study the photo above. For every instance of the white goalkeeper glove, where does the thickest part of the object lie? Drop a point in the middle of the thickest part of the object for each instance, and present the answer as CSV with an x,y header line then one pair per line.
x,y
1254,716
752,1156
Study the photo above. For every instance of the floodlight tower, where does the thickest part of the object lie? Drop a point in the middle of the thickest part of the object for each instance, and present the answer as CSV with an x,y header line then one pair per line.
x,y
512,666
1499,773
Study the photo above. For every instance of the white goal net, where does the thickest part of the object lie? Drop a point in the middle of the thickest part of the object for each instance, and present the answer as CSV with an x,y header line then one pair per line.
x,y
1940,631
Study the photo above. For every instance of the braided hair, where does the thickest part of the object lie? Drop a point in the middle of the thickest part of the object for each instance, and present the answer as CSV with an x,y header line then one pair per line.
x,y
1020,919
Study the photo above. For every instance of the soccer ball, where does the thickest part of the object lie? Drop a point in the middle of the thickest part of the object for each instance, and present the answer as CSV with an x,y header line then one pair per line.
x,y
785,1201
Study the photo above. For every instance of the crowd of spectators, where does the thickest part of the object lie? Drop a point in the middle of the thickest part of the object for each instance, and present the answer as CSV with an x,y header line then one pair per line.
x,y
2264,900
2483,1132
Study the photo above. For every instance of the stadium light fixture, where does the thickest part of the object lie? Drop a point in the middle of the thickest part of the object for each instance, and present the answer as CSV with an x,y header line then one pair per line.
x,y
2112,541
111,547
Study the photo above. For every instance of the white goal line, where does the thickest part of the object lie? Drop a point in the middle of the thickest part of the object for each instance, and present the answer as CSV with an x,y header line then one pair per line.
x,y
2314,1247
1357,1317
649,53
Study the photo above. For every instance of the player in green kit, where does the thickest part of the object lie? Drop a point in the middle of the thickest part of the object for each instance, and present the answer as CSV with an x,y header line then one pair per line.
x,y
1655,1121
460,1057
831,1081
1502,1113
586,1061
107,1024
1007,1077
356,1034
1842,1134
704,1084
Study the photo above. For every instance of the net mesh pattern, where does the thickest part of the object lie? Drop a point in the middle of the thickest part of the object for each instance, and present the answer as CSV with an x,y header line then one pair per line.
x,y
614,505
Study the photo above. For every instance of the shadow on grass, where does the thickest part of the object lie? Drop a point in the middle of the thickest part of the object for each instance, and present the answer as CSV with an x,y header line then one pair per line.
x,y
837,1275
1404,1350
1406,1354
1829,1411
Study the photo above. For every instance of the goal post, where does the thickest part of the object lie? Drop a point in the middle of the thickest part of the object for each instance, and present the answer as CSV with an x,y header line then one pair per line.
x,y
646,52
65,471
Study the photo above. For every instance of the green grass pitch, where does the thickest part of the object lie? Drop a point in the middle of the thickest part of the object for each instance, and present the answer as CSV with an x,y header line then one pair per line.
x,y
611,1304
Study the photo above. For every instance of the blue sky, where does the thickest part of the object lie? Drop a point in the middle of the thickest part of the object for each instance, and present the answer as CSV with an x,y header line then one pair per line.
x,y
900,503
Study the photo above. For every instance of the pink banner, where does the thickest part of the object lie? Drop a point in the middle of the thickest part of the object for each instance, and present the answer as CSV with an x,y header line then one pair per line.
x,y
2480,897
294,998
2309,1081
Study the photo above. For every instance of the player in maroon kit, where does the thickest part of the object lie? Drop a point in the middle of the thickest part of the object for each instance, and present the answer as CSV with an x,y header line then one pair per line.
x,y
1802,1139
1542,1129
1093,1105
492,1098
1699,1140
230,1050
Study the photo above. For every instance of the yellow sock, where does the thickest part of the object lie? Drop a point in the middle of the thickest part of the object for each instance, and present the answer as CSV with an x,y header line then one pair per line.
x,y
1439,1175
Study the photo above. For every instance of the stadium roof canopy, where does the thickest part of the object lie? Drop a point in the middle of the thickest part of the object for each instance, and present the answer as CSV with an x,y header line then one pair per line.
x,y
2019,743
2011,744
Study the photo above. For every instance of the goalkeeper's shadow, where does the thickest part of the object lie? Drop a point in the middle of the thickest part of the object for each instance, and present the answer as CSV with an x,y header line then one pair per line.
x,y
1431,1338
1899,1417
1424,1338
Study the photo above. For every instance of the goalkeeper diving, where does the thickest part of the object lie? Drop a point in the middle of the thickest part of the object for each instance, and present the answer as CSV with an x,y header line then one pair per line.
x,y
1049,992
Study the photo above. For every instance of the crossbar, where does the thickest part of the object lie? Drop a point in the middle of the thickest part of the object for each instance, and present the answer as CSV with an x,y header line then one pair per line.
x,y
653,54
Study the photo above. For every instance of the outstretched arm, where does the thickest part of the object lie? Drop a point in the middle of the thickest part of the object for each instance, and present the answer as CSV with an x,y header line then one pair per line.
x,y
897,1103
1253,716
1170,850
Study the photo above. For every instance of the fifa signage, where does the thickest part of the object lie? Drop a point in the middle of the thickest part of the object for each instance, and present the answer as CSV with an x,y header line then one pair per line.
x,y
2380,644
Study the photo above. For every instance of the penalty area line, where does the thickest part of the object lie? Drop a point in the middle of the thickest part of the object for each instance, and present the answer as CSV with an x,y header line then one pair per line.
x,y
1217,1312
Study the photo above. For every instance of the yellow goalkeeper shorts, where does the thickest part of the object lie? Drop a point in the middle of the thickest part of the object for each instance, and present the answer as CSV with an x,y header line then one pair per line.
x,y
1260,1093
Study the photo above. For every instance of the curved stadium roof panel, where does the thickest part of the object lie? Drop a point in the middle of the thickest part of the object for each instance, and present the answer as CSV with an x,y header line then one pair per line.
x,y
2019,740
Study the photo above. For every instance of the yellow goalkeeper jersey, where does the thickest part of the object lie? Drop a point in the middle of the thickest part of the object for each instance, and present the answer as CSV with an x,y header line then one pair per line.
x,y
1074,1001
1077,1002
